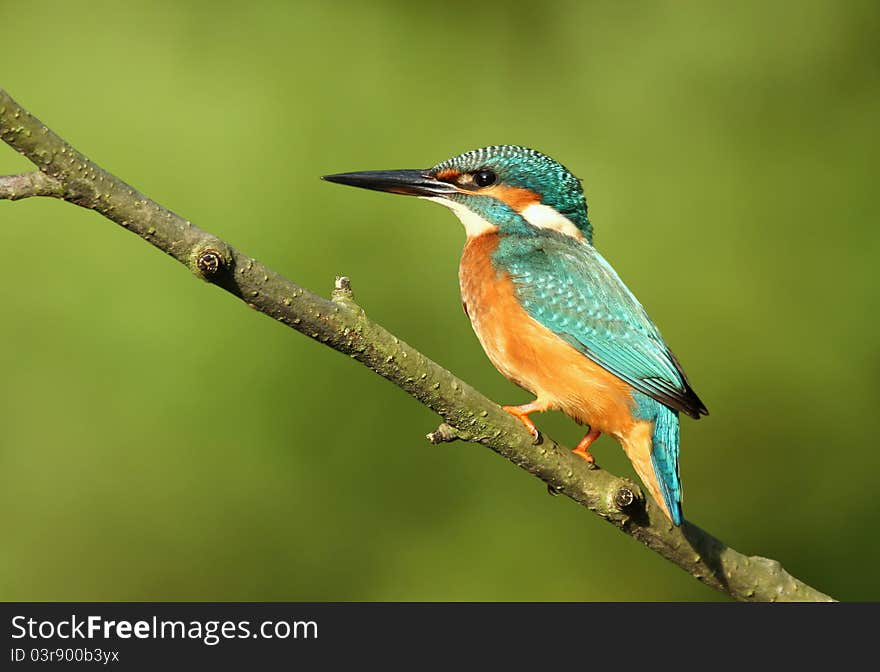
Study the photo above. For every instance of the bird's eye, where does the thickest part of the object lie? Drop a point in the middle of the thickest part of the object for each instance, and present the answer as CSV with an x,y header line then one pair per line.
x,y
484,177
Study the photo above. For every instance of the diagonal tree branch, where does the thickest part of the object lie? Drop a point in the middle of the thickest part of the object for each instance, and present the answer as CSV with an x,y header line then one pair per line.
x,y
341,324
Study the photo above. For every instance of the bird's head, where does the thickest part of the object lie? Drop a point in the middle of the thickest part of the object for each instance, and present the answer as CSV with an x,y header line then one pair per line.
x,y
507,188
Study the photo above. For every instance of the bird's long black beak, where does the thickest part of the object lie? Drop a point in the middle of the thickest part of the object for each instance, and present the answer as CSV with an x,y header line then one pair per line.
x,y
407,182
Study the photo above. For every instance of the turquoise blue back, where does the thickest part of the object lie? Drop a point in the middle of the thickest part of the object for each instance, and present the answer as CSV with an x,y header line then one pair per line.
x,y
569,288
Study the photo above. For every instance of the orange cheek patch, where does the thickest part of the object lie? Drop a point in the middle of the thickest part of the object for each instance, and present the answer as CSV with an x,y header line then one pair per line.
x,y
448,174
516,197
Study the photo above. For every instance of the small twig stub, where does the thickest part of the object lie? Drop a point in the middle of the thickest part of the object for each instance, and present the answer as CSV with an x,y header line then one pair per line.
x,y
443,434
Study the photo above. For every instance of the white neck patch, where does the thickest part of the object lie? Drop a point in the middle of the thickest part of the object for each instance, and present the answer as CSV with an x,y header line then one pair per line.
x,y
474,225
544,217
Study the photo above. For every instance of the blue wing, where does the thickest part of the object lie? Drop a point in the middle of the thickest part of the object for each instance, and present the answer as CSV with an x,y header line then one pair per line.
x,y
569,288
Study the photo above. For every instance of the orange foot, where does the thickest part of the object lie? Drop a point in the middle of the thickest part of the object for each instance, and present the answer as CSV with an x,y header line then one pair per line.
x,y
521,413
582,449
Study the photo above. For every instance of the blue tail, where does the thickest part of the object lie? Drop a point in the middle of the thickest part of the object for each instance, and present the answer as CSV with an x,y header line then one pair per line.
x,y
664,457
664,451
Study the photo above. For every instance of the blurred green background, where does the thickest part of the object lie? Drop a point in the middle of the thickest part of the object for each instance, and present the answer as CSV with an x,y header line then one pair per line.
x,y
160,441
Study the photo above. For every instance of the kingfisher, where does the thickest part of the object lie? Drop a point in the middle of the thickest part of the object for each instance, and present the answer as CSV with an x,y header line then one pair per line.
x,y
550,312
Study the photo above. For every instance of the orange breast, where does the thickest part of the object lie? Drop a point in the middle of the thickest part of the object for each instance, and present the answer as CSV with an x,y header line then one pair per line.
x,y
531,355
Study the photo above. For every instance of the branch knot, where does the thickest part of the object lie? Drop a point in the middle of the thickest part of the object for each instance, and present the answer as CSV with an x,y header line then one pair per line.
x,y
209,262
210,259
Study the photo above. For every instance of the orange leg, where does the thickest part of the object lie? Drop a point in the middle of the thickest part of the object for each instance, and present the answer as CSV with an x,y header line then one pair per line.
x,y
582,448
521,413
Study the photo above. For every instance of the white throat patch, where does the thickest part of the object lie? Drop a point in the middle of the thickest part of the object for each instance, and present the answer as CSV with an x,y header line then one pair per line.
x,y
474,225
537,214
544,217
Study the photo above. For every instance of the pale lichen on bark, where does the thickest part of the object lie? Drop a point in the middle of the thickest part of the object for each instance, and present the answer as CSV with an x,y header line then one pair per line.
x,y
343,325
